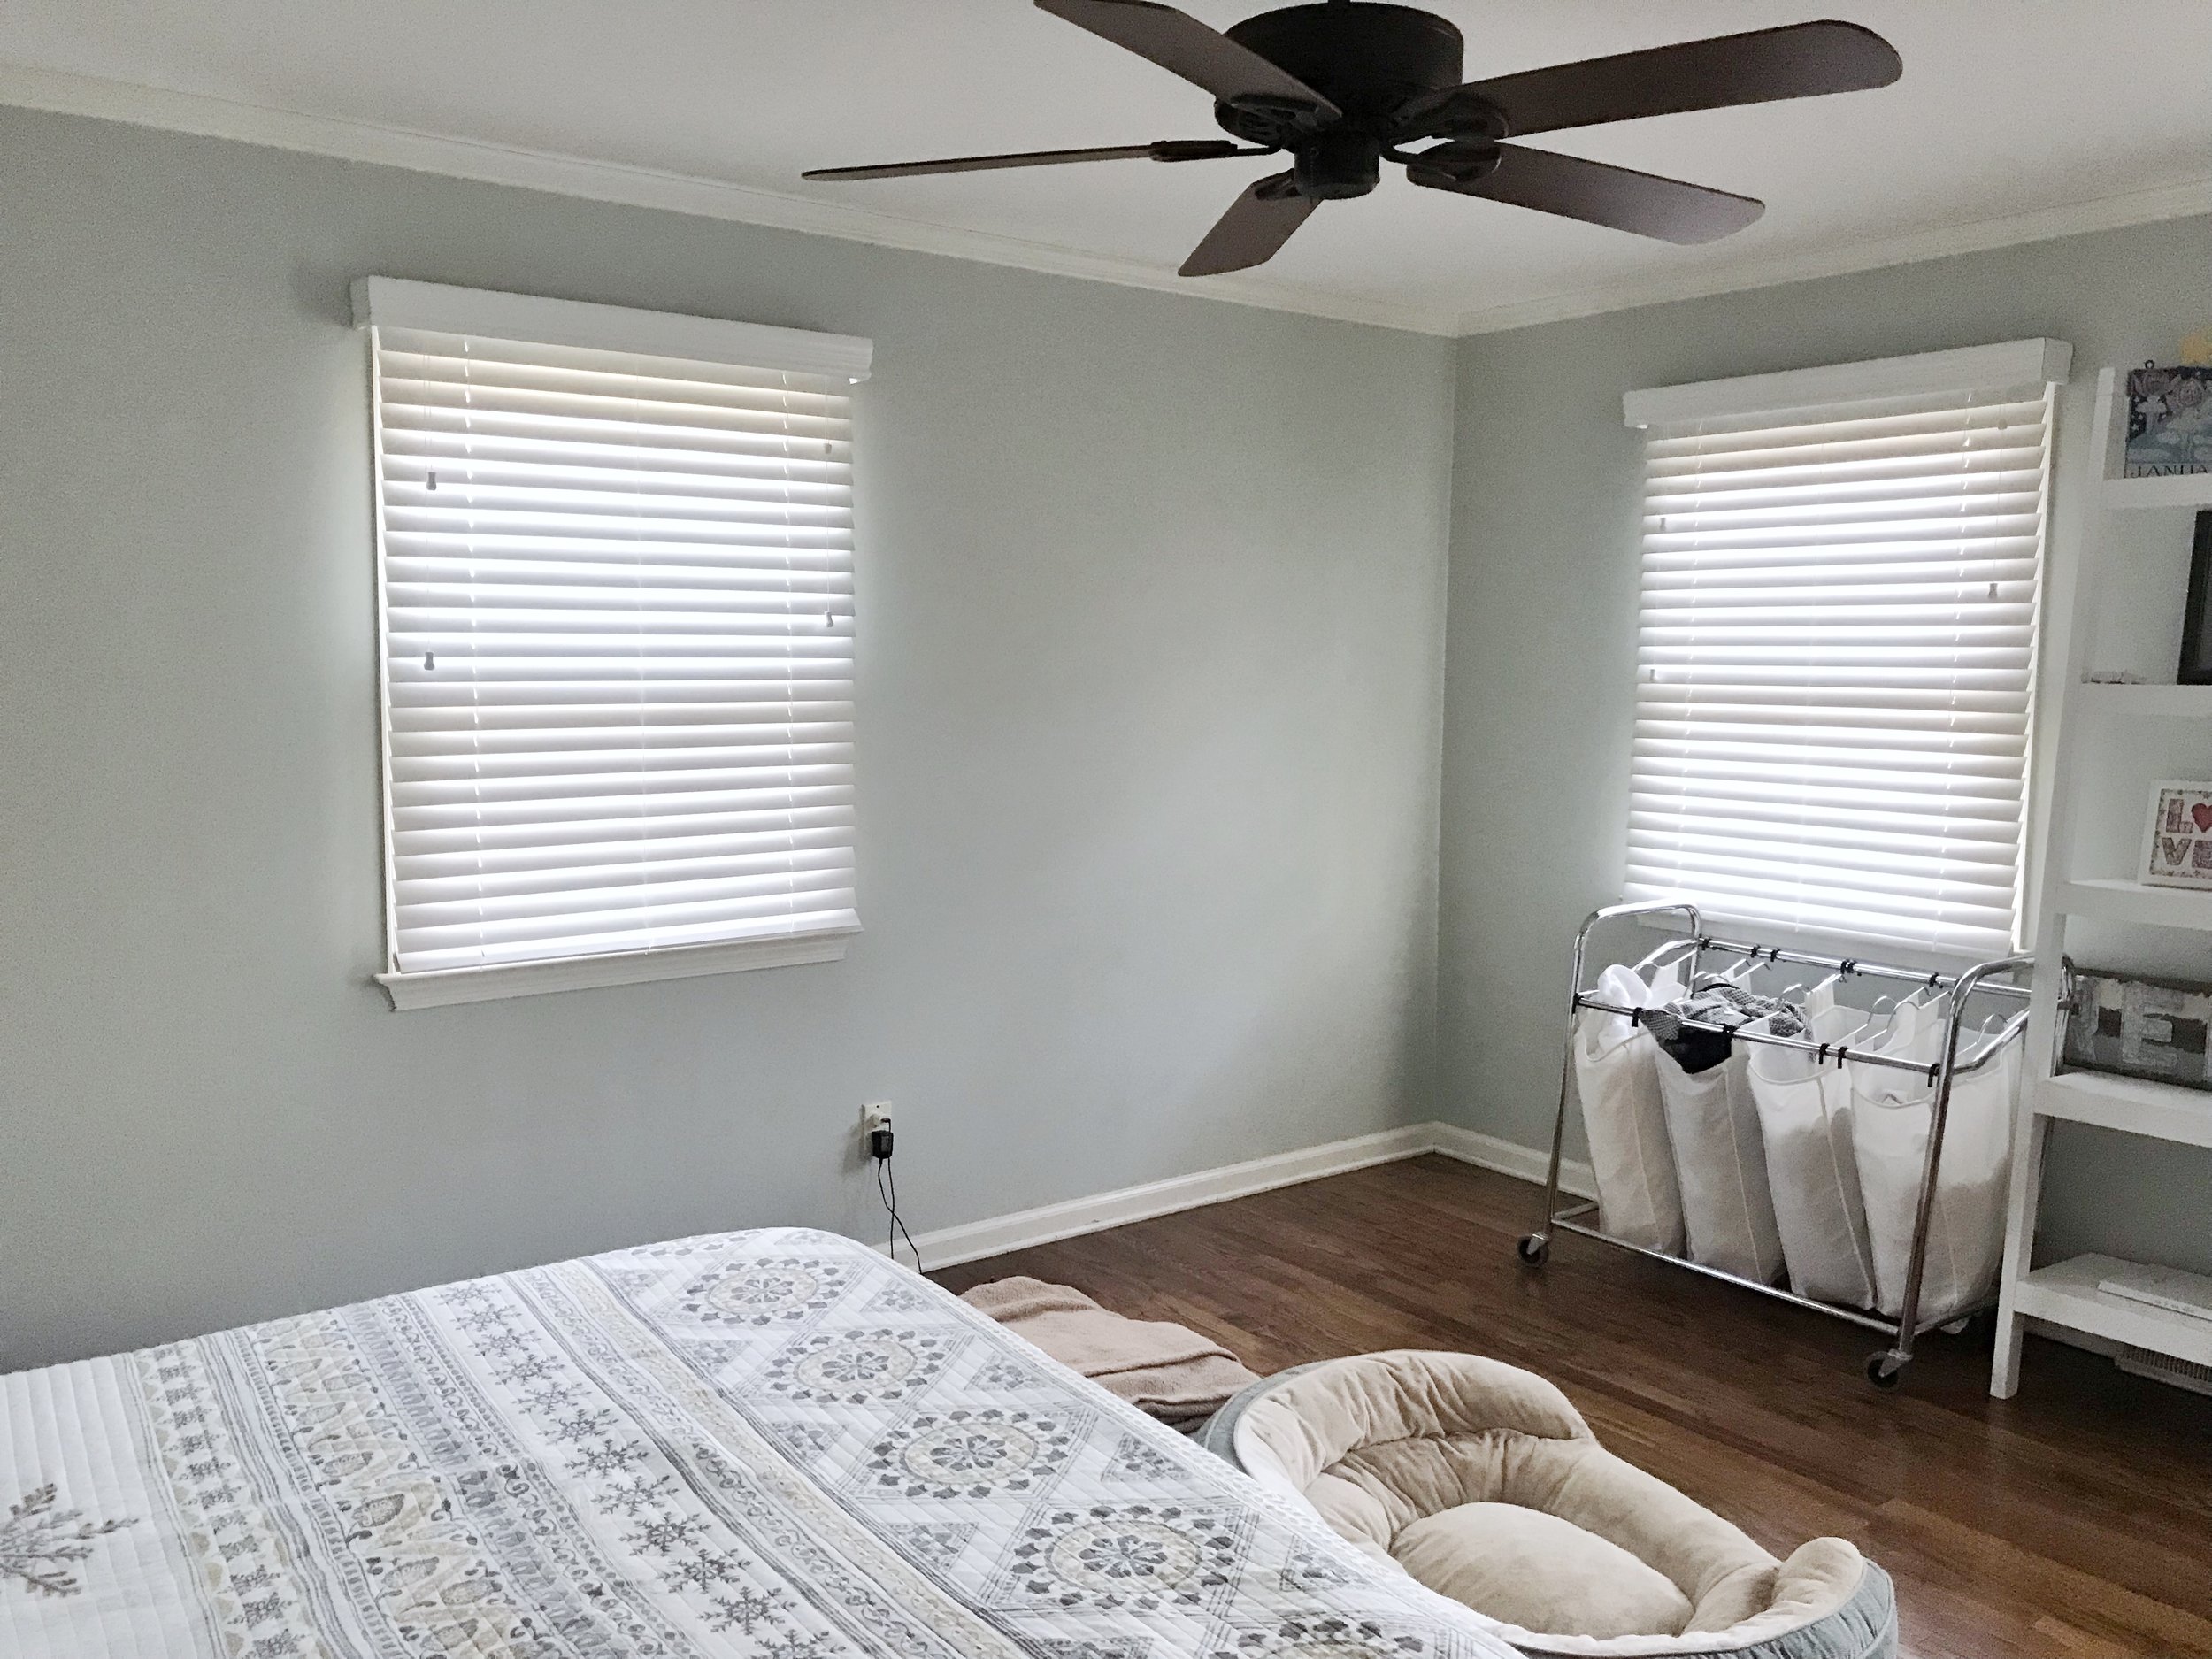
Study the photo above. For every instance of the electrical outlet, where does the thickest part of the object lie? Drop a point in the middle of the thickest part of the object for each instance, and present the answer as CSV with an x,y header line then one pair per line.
x,y
874,1116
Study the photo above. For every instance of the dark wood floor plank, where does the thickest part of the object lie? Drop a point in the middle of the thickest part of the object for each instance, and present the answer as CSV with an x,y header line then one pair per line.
x,y
2072,1523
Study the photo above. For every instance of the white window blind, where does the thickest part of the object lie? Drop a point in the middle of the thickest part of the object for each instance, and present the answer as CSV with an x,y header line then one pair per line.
x,y
617,627
1835,661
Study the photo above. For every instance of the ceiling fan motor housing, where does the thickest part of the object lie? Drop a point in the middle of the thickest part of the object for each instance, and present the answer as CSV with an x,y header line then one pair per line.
x,y
1369,60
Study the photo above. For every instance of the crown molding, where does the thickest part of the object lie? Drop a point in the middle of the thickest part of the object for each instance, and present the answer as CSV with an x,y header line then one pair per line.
x,y
66,93
2071,219
197,113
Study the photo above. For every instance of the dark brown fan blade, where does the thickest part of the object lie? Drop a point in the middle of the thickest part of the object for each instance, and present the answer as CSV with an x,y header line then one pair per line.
x,y
1179,43
1801,60
1591,191
1166,149
1254,229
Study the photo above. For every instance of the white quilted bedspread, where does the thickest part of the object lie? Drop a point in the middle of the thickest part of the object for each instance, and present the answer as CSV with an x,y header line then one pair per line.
x,y
773,1443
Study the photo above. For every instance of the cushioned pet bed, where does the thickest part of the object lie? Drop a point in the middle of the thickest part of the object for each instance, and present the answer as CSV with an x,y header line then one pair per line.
x,y
770,1443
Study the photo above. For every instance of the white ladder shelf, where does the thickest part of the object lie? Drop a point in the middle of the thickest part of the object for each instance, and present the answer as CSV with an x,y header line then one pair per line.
x,y
2064,1293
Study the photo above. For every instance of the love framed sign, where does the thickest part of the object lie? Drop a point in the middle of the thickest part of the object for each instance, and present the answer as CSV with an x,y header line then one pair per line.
x,y
2177,841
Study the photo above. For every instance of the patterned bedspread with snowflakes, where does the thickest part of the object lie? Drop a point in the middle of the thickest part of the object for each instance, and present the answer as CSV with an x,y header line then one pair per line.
x,y
773,1443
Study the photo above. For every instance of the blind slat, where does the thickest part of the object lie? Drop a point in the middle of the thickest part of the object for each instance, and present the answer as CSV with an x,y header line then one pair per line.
x,y
618,634
1835,653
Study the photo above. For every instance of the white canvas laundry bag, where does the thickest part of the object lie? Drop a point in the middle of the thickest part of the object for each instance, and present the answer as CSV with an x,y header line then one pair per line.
x,y
1727,1205
1804,1107
1892,1113
1616,1079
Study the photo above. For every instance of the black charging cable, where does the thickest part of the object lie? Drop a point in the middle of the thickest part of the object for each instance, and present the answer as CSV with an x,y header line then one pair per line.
x,y
887,1189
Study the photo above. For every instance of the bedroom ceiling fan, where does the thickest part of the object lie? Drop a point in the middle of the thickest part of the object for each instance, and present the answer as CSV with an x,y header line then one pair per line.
x,y
1344,86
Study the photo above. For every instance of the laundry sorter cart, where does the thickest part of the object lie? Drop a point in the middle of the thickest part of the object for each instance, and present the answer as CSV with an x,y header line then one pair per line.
x,y
2001,981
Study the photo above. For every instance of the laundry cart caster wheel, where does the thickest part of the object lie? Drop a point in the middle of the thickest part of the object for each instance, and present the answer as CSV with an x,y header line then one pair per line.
x,y
1885,1370
1534,1248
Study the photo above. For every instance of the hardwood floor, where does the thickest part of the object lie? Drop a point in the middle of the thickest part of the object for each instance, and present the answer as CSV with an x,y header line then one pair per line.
x,y
2075,1521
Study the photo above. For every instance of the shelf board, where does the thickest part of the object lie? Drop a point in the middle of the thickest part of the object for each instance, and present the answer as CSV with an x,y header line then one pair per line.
x,y
2185,489
2162,1111
2065,1293
2147,699
2115,901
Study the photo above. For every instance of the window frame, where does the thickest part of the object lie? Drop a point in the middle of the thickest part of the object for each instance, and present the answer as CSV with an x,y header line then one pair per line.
x,y
395,302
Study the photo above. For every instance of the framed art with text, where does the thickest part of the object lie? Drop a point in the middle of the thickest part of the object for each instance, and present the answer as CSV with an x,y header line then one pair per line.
x,y
2170,421
2178,840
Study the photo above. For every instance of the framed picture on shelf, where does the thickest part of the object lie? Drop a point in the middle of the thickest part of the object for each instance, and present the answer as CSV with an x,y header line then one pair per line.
x,y
2178,840
2196,621
2170,421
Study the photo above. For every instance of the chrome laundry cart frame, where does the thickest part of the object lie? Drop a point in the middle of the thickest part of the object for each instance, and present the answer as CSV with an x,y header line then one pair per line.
x,y
2002,978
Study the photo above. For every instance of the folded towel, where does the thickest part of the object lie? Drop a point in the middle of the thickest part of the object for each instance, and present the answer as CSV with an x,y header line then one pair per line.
x,y
1165,1370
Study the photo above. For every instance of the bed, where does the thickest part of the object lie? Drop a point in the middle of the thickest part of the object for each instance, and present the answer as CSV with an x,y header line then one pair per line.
x,y
771,1443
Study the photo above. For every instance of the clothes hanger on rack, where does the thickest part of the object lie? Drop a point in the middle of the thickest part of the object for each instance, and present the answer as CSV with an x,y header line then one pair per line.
x,y
1829,985
1666,979
1838,1047
1865,1035
1931,1007
1759,976
1651,957
1652,965
1738,975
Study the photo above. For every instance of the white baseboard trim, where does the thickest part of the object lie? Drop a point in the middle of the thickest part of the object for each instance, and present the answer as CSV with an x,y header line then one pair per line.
x,y
1510,1157
949,1247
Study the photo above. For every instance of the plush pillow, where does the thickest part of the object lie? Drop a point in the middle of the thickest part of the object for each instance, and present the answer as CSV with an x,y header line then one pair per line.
x,y
1527,1568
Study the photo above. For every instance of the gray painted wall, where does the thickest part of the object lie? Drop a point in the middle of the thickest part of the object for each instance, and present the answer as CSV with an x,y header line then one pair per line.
x,y
1540,682
1152,679
1151,645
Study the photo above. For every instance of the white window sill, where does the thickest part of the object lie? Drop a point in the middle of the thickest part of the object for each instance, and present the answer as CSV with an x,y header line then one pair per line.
x,y
444,986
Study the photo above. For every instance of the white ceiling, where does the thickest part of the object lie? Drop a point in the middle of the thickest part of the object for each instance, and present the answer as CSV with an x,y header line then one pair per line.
x,y
2015,119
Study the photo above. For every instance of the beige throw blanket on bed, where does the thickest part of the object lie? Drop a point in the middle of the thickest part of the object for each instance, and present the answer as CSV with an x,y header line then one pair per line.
x,y
1171,1372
